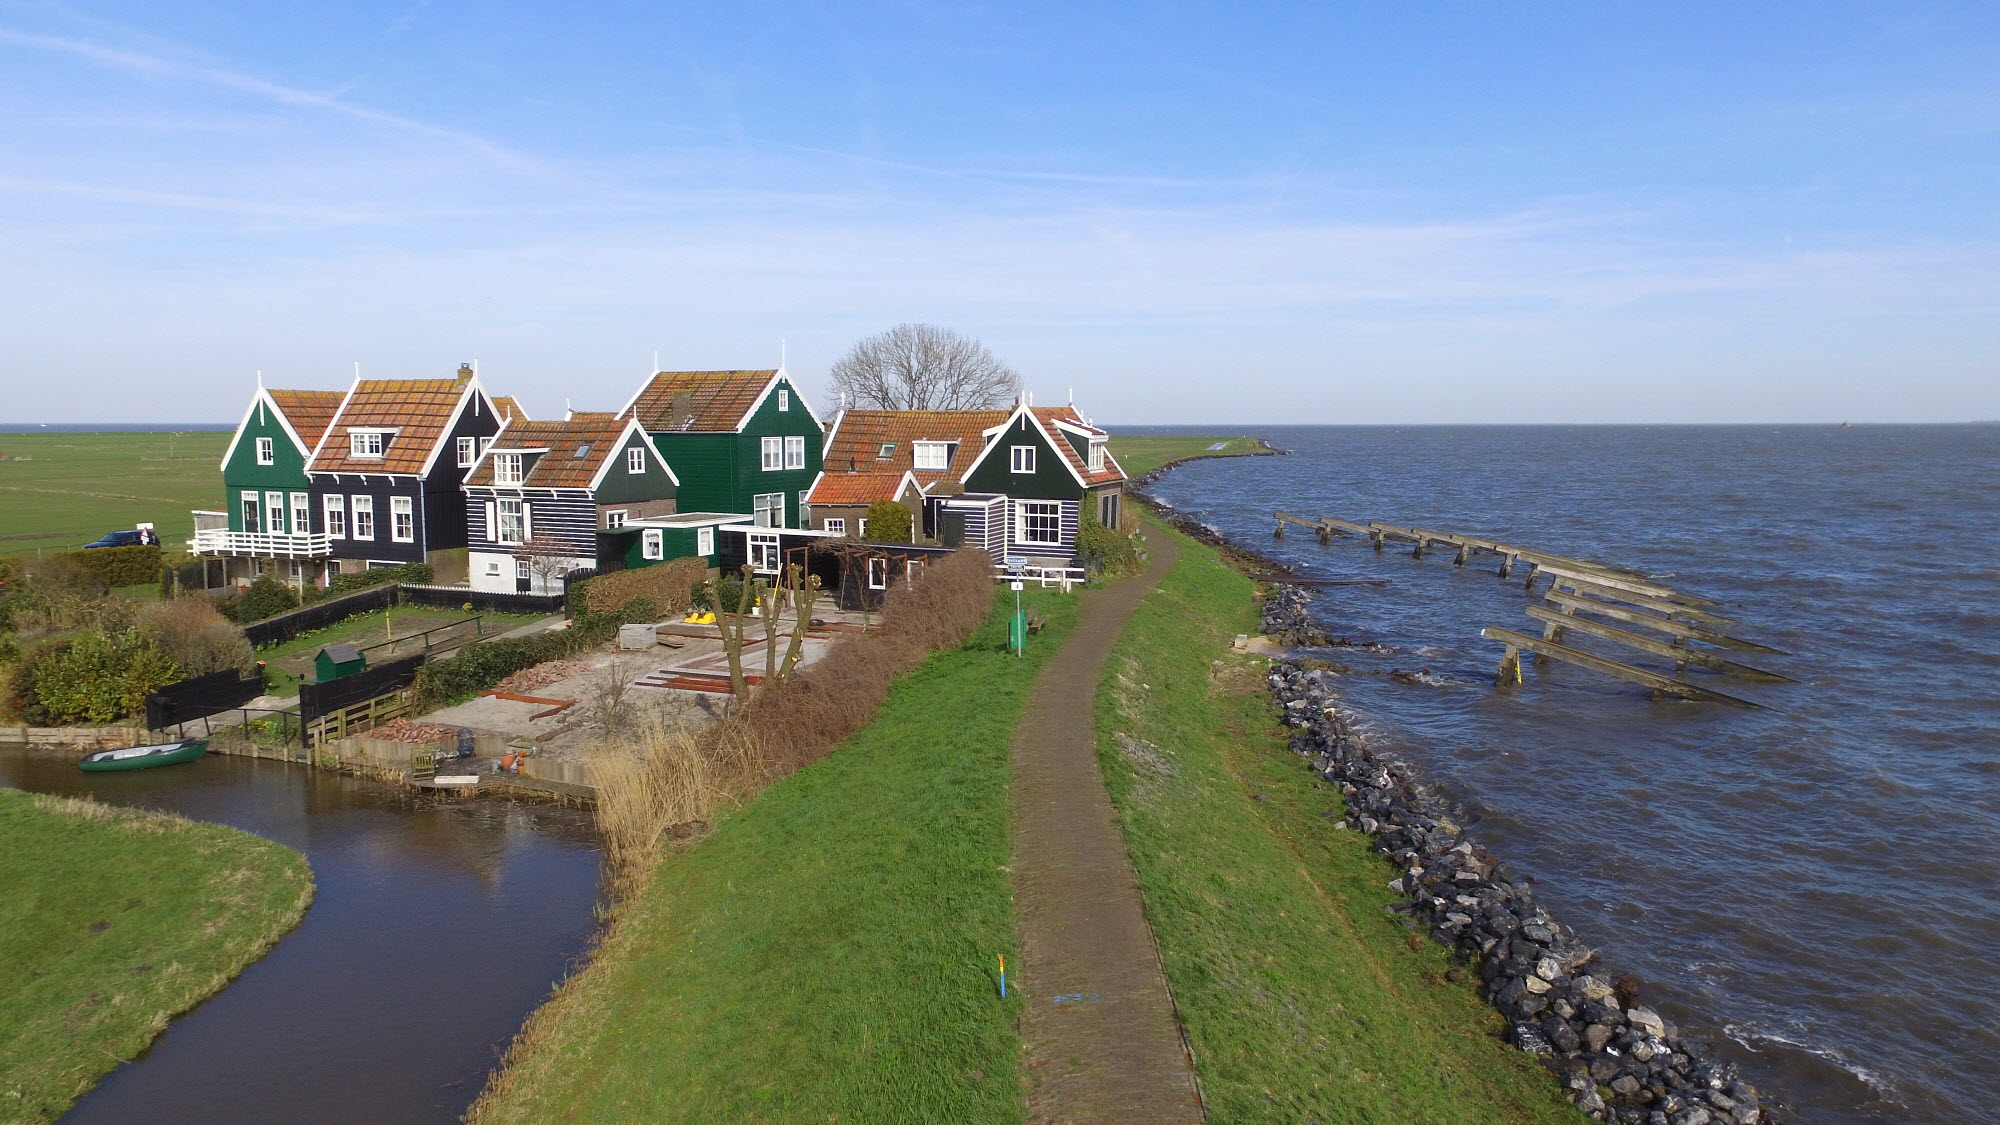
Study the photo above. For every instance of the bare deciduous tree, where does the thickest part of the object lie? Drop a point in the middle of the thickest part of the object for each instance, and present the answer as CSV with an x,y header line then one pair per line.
x,y
924,367
549,561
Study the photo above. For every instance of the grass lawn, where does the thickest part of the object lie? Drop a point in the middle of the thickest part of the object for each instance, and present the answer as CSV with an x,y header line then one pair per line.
x,y
827,953
288,663
1144,454
1304,1000
60,491
113,920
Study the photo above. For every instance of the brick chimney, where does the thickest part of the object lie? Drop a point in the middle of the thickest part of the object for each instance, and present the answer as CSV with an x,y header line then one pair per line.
x,y
465,373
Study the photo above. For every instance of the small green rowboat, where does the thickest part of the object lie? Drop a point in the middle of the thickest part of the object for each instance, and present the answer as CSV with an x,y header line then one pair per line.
x,y
145,757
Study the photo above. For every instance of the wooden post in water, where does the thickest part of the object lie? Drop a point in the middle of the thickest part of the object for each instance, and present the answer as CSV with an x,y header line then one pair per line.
x,y
1510,668
1464,553
1534,569
1507,565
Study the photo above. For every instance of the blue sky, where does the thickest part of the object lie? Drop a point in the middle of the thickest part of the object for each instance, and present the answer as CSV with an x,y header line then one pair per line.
x,y
1372,212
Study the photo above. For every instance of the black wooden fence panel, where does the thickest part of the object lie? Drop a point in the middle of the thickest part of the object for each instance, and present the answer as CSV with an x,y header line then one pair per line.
x,y
482,601
285,626
317,700
200,696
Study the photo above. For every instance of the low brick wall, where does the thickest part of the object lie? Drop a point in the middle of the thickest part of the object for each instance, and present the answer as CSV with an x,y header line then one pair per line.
x,y
91,738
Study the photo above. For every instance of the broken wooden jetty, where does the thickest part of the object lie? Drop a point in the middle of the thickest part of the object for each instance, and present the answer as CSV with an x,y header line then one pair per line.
x,y
1585,586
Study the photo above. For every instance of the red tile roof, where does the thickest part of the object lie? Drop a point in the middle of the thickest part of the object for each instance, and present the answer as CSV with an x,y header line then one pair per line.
x,y
1050,415
576,450
857,442
419,410
714,400
856,488
308,411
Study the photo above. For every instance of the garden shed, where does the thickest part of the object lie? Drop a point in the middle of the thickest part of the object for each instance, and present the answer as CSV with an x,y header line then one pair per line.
x,y
335,661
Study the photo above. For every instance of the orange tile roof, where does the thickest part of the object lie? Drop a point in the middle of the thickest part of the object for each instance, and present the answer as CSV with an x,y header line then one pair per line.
x,y
506,407
419,410
308,411
594,434
716,400
862,433
1049,416
855,488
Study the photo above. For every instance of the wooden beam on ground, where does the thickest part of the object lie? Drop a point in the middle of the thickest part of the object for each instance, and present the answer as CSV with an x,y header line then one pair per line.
x,y
1663,624
1559,621
1591,587
1666,685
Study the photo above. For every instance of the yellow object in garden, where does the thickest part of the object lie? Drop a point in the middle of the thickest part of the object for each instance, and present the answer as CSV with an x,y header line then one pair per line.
x,y
698,618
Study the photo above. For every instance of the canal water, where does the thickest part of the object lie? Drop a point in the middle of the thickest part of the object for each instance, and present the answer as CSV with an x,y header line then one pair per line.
x,y
436,929
1813,887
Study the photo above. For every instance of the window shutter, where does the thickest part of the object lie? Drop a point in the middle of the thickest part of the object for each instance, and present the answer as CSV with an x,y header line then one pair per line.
x,y
492,523
527,523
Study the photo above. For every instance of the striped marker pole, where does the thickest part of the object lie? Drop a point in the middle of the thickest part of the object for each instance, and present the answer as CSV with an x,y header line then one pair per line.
x,y
1003,976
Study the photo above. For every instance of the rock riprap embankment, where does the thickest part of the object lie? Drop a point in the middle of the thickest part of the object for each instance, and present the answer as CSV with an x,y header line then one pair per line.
x,y
1620,1061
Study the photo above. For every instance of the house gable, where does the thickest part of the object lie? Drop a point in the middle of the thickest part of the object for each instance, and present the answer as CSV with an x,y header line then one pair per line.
x,y
1053,478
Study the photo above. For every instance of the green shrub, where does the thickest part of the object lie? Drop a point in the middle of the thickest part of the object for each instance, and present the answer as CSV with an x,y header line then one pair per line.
x,y
669,585
888,522
1114,552
120,566
188,575
97,677
407,574
268,596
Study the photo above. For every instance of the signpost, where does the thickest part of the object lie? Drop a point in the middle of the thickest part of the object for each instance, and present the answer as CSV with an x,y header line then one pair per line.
x,y
1017,629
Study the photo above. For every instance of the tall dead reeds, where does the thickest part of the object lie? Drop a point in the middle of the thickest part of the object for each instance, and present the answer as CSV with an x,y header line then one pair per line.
x,y
662,777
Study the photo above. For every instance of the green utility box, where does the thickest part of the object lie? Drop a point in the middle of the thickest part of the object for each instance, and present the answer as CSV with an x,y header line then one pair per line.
x,y
335,661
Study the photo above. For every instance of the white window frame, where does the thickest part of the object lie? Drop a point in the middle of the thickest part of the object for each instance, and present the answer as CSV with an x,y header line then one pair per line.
x,y
267,451
704,541
1025,509
861,528
1021,458
931,455
1096,456
784,401
274,513
885,451
512,533
468,451
508,468
363,509
652,544
334,508
615,518
301,513
402,519
493,568
253,511
773,450
763,504
878,572
635,461
764,552
835,526
367,444
795,452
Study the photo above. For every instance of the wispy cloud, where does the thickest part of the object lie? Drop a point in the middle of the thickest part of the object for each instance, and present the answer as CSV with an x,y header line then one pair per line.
x,y
155,66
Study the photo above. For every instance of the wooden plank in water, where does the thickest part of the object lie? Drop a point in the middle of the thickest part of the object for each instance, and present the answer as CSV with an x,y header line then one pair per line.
x,y
1654,680
1682,603
1663,624
1587,587
1559,620
1347,526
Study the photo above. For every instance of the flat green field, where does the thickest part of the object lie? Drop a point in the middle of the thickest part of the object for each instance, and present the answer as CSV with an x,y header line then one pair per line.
x,y
60,491
1144,454
111,922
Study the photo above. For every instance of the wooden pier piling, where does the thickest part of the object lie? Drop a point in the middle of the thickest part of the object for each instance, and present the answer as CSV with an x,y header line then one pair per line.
x,y
1510,664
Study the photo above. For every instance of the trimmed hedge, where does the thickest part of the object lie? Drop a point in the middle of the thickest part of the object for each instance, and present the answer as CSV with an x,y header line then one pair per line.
x,y
120,566
888,522
669,585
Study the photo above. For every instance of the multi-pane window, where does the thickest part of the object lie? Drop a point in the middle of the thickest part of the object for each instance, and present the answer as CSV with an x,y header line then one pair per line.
x,y
837,527
784,401
274,512
763,553
363,508
773,449
932,455
704,541
1024,458
635,460
1096,456
878,573
795,453
650,543
468,451
769,508
613,520
336,515
402,519
251,508
365,443
301,513
861,529
512,523
1038,522
267,453
506,468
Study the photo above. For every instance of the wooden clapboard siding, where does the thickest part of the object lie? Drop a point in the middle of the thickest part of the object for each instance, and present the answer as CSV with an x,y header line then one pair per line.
x,y
567,516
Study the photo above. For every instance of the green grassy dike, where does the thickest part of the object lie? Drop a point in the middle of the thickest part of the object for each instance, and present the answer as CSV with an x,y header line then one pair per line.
x,y
826,953
1303,1000
111,922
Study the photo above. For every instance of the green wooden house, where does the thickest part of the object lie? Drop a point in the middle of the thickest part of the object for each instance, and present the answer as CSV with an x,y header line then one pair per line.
x,y
266,516
743,443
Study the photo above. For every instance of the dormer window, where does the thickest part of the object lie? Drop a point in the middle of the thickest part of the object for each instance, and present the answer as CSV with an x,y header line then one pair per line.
x,y
932,454
506,468
887,451
1096,456
367,443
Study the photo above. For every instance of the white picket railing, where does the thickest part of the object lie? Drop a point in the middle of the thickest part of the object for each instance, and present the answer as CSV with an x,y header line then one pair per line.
x,y
261,544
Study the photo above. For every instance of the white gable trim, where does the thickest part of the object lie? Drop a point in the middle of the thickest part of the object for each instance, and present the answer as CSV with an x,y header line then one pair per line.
x,y
474,393
798,398
333,423
618,445
1021,412
263,395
